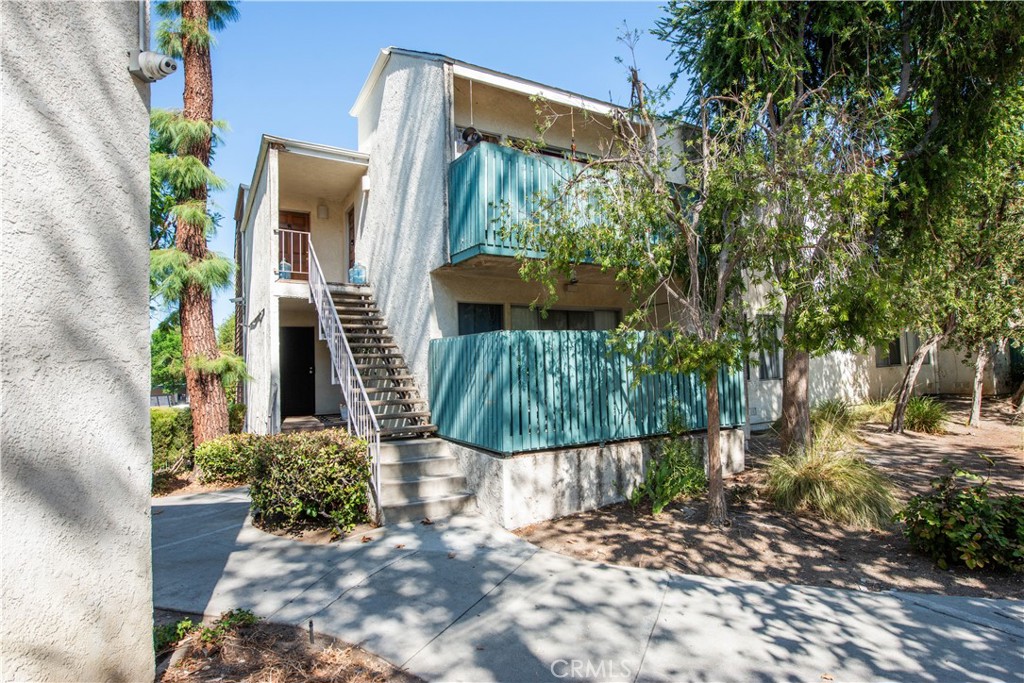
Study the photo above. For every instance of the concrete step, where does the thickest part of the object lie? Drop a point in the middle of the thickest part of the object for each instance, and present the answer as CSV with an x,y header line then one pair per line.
x,y
405,431
411,468
428,508
402,416
410,402
414,449
403,491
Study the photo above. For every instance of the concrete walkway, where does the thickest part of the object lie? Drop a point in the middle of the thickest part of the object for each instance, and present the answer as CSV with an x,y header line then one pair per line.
x,y
463,600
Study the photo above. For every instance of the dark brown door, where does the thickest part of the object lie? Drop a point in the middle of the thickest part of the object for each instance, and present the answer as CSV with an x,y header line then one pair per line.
x,y
350,218
298,372
294,243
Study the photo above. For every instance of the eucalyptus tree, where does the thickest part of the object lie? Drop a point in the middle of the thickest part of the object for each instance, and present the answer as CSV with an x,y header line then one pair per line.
x,y
187,271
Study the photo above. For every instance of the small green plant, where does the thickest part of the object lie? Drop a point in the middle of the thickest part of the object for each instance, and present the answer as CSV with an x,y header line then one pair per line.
x,y
167,636
925,414
309,480
211,637
226,460
960,523
832,481
677,471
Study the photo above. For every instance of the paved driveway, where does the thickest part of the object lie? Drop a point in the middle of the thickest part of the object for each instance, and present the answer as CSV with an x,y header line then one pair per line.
x,y
464,600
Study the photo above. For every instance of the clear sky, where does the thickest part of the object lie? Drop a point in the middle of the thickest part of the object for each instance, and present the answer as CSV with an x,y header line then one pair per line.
x,y
294,68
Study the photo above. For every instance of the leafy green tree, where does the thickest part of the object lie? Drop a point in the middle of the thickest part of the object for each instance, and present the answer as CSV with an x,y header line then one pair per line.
x,y
187,272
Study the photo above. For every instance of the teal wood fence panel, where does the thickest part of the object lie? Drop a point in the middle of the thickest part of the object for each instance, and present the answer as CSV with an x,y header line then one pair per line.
x,y
510,392
487,178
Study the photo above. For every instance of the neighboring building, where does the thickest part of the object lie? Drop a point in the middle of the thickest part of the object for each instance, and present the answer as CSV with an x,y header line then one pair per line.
x,y
74,339
537,419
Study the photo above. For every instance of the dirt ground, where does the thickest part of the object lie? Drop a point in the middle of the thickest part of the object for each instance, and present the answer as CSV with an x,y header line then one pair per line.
x,y
183,484
273,653
765,545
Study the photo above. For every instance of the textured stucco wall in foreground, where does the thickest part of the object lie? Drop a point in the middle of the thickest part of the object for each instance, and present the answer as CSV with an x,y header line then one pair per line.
x,y
74,346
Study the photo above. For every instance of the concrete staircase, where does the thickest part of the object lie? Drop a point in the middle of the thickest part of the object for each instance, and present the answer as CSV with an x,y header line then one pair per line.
x,y
420,479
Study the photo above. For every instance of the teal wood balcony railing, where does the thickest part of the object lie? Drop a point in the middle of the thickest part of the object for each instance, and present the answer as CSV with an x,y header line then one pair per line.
x,y
510,392
488,178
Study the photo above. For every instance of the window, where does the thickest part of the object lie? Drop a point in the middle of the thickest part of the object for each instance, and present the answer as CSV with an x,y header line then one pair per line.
x,y
770,366
525,318
477,318
888,356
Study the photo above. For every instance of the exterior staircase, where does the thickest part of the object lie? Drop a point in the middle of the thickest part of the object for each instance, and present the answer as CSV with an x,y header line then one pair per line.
x,y
419,478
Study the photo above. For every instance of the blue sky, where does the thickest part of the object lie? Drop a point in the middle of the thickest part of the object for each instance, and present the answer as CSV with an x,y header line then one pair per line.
x,y
294,68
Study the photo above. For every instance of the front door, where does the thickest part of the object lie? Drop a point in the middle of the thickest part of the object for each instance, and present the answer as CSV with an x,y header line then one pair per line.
x,y
298,378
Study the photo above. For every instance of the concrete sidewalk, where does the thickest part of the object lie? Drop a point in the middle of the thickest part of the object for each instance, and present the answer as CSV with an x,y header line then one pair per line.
x,y
463,600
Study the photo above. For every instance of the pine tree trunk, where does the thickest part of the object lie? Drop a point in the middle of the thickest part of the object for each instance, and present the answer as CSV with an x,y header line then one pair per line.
x,y
198,335
979,385
716,487
909,380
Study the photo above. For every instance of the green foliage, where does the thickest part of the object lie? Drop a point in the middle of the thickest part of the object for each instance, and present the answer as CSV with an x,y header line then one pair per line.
x,y
226,460
173,29
310,479
677,471
925,414
171,271
236,418
167,369
212,637
962,524
167,636
171,433
833,482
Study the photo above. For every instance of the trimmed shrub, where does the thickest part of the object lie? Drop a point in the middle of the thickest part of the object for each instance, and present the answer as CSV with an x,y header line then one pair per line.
x,y
925,414
309,480
225,460
677,471
171,433
832,482
961,524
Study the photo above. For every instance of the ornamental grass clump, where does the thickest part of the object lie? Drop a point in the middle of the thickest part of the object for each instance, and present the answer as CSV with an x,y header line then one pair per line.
x,y
833,417
925,414
832,481
877,412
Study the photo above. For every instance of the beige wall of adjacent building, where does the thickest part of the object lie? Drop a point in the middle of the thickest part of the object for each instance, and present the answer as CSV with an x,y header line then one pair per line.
x,y
74,339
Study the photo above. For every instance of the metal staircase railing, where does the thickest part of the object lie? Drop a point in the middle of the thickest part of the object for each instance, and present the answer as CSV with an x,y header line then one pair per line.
x,y
361,420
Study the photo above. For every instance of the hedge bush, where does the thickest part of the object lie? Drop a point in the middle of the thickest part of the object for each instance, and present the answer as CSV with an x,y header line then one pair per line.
x,y
171,430
962,524
309,480
225,460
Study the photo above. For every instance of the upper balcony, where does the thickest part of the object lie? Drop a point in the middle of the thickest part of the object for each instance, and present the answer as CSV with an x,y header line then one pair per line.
x,y
487,180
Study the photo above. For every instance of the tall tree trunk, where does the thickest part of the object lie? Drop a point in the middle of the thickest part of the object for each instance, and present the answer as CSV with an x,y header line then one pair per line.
x,y
979,385
909,380
796,409
716,487
198,335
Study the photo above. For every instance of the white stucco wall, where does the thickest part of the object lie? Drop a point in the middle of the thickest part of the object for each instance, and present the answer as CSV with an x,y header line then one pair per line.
x,y
261,391
404,237
74,343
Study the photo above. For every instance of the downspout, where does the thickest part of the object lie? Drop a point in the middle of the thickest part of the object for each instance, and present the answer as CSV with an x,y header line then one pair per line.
x,y
143,33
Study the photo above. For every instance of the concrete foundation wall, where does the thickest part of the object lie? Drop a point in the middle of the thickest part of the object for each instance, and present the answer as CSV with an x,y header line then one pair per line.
x,y
74,343
533,487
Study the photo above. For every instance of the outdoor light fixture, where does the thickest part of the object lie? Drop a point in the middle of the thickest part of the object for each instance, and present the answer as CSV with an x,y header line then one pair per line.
x,y
321,211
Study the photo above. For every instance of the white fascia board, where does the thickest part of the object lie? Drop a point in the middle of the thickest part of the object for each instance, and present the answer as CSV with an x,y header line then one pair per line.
x,y
313,149
261,160
531,88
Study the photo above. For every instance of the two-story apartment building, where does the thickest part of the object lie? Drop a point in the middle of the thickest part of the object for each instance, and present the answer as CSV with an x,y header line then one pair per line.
x,y
537,418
